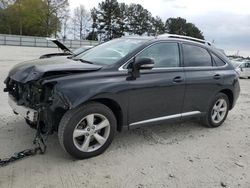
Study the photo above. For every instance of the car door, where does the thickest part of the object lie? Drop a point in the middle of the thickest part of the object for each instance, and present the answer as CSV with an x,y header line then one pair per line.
x,y
158,93
203,77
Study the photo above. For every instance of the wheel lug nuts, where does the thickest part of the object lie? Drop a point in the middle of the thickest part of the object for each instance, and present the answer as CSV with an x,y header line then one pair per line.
x,y
88,129
87,134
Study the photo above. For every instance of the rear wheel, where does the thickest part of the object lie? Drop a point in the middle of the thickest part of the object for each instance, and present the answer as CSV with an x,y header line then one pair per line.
x,y
218,111
87,131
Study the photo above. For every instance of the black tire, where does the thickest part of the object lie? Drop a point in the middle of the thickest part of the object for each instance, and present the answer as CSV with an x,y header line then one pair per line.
x,y
207,120
70,121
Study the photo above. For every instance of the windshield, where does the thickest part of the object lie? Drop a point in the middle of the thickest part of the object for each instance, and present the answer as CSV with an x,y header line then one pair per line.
x,y
110,52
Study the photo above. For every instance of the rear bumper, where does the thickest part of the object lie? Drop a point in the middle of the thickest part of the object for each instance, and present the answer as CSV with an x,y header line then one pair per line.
x,y
25,112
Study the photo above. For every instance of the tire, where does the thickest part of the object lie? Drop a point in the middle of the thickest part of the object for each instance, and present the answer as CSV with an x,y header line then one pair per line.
x,y
80,133
211,119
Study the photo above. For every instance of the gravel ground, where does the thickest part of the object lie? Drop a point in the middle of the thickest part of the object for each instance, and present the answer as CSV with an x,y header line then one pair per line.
x,y
172,155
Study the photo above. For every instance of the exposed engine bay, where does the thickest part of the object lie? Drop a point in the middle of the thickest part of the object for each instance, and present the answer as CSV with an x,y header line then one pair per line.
x,y
31,100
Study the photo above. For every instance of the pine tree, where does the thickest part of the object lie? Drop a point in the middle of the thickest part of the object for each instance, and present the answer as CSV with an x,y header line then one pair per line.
x,y
108,14
157,26
181,27
139,19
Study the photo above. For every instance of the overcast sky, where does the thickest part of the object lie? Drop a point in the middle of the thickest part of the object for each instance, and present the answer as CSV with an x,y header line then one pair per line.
x,y
227,22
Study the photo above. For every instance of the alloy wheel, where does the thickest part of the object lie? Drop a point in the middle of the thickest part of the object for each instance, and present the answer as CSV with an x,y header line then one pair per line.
x,y
91,132
219,110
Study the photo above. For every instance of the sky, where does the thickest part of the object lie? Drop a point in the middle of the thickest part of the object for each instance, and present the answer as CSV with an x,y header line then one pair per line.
x,y
226,22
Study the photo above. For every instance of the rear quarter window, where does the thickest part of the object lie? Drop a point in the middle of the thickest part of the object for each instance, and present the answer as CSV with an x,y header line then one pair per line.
x,y
218,62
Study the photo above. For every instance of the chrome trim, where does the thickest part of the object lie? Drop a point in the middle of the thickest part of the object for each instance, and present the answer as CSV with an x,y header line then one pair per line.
x,y
207,67
166,118
147,66
157,68
190,113
156,119
27,113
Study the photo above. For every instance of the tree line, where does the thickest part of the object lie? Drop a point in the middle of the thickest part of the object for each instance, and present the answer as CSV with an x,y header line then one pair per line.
x,y
110,19
32,17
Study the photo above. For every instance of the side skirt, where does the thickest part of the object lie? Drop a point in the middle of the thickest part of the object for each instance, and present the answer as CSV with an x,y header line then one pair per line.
x,y
165,118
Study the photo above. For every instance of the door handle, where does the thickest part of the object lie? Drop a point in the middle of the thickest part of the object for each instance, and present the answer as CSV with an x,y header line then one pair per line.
x,y
217,76
178,79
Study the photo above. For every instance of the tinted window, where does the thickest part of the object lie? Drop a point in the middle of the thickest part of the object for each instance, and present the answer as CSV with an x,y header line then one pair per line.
x,y
195,56
218,61
163,54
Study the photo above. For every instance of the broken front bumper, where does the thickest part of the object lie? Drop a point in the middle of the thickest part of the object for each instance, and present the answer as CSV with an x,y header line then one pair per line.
x,y
27,113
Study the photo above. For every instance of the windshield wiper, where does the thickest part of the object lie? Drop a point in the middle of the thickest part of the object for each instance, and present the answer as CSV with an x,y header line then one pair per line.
x,y
84,61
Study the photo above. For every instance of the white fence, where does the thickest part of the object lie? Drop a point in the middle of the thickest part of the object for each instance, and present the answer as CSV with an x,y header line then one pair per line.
x,y
19,40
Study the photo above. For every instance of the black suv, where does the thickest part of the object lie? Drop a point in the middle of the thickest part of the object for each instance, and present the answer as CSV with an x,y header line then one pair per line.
x,y
122,84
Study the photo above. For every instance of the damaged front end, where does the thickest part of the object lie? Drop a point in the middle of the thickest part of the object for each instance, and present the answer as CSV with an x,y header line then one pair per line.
x,y
36,101
33,95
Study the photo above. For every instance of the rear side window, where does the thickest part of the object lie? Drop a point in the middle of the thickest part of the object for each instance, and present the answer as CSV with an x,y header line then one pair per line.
x,y
218,61
195,56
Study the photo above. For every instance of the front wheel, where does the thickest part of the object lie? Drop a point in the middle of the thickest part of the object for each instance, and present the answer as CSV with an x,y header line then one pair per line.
x,y
218,111
87,131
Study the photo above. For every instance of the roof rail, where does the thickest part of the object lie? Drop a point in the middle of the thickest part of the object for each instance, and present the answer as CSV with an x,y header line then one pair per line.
x,y
185,37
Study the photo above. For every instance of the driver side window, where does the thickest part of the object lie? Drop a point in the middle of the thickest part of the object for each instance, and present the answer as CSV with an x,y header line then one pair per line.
x,y
164,55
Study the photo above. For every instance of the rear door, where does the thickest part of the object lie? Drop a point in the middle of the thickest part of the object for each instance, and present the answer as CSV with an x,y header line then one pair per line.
x,y
158,93
203,78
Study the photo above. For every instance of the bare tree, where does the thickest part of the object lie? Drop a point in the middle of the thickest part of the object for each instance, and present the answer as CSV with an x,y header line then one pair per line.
x,y
5,3
81,21
55,12
65,27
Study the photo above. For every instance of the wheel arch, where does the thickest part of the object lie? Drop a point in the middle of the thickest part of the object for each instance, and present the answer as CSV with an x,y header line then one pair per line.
x,y
115,108
230,96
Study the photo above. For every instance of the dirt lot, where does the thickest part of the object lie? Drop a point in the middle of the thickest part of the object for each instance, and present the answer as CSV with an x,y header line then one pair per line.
x,y
173,155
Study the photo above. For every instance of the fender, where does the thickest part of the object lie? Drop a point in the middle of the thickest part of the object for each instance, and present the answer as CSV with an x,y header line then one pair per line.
x,y
78,89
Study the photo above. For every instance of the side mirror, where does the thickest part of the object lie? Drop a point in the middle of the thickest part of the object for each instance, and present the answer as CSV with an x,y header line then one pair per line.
x,y
144,63
137,65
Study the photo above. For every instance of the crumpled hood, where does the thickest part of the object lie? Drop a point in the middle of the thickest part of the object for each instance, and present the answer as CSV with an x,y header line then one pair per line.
x,y
35,69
